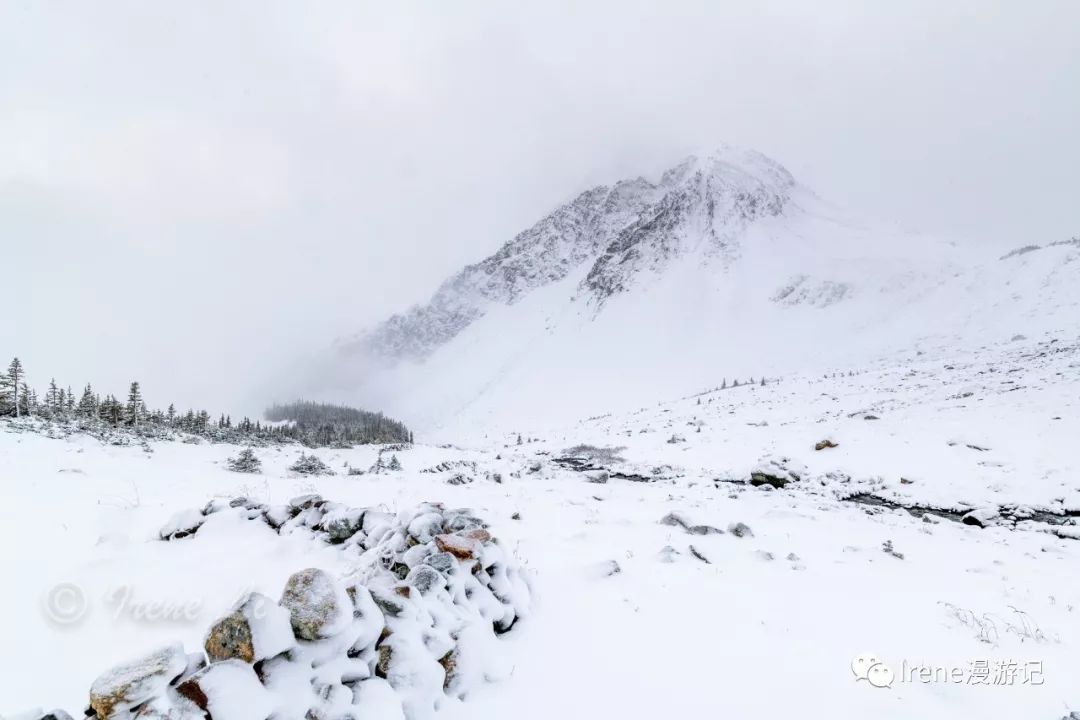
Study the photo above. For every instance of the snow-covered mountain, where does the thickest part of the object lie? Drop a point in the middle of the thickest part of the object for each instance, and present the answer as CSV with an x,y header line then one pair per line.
x,y
617,233
724,267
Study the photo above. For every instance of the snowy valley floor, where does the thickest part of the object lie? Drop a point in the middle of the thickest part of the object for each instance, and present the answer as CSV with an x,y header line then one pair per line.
x,y
766,628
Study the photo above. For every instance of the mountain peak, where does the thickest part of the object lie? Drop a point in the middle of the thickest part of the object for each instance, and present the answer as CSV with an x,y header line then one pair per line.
x,y
731,164
608,236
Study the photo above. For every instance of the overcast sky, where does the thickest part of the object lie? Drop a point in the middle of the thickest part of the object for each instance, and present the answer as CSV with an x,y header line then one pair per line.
x,y
192,192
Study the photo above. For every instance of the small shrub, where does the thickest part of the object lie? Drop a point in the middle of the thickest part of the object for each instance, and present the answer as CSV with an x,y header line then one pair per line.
x,y
310,465
245,462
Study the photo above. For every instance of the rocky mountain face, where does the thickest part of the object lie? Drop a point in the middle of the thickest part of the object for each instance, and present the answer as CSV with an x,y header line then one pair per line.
x,y
722,267
619,233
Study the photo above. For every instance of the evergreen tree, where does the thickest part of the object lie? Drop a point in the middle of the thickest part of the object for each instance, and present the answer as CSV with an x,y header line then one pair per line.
x,y
88,403
17,378
52,397
171,413
114,411
395,464
27,400
69,404
723,386
245,462
133,411
310,465
7,397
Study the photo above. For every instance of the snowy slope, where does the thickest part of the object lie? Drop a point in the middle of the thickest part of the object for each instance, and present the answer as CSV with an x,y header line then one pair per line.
x,y
766,628
725,266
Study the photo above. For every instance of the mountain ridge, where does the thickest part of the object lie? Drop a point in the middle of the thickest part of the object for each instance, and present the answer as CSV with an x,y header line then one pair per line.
x,y
622,229
724,266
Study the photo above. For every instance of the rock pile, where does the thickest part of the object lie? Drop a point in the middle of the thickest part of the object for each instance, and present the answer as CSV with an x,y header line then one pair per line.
x,y
410,626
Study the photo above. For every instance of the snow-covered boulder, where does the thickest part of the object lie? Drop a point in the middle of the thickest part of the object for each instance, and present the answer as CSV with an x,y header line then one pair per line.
x,y
254,630
127,686
342,523
317,603
229,690
777,472
182,524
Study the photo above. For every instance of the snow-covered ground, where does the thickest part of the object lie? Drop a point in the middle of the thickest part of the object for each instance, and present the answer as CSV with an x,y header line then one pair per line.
x,y
761,625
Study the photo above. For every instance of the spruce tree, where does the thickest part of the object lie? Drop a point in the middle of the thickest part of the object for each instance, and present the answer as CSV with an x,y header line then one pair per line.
x,y
52,396
16,376
88,404
245,462
27,400
133,412
7,397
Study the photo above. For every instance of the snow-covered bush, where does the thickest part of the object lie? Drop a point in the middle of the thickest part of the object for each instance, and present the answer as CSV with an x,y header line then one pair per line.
x,y
310,465
245,462
598,455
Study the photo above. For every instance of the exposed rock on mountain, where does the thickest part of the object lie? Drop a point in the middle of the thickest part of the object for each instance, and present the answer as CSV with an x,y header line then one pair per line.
x,y
618,232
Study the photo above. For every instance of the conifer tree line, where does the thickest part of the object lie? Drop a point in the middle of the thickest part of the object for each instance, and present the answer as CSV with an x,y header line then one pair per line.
x,y
312,424
327,424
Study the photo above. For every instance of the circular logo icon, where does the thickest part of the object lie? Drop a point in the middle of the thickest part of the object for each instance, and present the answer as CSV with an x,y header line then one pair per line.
x,y
65,604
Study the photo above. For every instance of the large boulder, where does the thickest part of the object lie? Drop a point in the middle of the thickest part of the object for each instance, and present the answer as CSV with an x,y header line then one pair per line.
x,y
182,524
341,524
126,686
444,562
426,579
229,690
460,546
318,605
777,472
426,526
254,630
